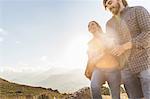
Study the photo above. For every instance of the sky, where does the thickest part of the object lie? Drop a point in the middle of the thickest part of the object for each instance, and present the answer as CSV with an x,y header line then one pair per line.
x,y
42,34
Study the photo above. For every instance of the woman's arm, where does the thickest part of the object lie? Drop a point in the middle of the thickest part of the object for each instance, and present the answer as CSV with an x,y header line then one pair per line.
x,y
90,66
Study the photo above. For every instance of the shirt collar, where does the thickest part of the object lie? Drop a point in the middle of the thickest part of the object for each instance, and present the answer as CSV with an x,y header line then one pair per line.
x,y
124,10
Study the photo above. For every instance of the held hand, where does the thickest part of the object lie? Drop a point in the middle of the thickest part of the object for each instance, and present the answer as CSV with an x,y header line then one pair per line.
x,y
127,45
121,49
118,51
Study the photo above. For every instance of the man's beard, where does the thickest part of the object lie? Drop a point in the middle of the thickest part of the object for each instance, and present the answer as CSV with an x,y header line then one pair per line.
x,y
115,9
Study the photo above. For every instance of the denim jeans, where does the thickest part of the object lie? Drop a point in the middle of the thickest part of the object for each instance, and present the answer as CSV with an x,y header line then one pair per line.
x,y
99,76
145,82
137,85
132,84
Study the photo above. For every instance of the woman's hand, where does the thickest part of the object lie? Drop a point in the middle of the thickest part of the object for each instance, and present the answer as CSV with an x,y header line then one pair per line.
x,y
87,74
89,69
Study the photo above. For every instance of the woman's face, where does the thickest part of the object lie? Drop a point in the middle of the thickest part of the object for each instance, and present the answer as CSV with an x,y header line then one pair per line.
x,y
92,27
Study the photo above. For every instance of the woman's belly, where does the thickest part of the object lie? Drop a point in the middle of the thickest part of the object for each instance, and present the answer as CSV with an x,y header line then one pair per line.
x,y
107,61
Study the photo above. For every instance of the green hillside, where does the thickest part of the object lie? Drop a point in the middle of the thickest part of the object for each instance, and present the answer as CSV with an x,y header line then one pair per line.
x,y
12,89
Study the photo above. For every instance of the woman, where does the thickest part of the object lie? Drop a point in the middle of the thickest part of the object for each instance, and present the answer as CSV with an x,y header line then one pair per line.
x,y
102,65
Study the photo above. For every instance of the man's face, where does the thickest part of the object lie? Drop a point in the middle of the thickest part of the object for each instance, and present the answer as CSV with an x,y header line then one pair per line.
x,y
113,6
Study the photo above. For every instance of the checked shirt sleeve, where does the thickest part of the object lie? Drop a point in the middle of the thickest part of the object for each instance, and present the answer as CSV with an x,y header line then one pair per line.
x,y
143,19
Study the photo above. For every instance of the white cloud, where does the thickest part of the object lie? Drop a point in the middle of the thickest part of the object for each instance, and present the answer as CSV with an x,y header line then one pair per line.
x,y
18,42
44,58
1,39
20,63
3,32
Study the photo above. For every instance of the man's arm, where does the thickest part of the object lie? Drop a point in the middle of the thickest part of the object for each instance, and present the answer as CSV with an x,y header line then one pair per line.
x,y
143,19
143,38
119,49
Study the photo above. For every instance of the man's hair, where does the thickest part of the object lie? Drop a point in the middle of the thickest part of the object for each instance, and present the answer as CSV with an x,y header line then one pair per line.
x,y
123,1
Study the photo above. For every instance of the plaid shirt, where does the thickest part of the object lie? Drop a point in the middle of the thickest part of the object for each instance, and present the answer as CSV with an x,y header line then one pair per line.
x,y
133,25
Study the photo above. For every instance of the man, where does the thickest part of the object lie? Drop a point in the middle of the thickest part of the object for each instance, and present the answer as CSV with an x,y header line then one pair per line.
x,y
132,25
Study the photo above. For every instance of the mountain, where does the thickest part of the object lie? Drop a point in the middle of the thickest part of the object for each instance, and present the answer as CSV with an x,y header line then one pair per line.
x,y
9,90
64,80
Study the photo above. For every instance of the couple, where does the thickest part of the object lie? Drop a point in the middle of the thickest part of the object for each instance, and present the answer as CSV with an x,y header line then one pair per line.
x,y
126,58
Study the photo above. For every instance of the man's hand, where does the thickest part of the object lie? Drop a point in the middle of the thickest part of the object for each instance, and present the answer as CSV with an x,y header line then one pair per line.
x,y
127,45
118,51
121,49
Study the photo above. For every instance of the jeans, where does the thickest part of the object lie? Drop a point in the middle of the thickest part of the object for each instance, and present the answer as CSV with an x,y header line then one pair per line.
x,y
99,76
136,85
145,82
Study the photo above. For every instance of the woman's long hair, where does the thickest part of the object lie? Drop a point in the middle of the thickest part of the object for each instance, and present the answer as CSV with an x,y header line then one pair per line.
x,y
97,25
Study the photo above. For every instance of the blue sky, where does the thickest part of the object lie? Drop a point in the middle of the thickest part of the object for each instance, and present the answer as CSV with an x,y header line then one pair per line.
x,y
42,34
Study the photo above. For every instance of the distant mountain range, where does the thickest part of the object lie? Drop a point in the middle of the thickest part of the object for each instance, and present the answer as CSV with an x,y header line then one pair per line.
x,y
9,90
64,81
